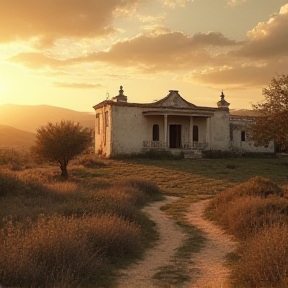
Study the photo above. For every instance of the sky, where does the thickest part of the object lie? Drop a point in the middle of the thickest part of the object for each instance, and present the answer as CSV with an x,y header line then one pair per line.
x,y
76,53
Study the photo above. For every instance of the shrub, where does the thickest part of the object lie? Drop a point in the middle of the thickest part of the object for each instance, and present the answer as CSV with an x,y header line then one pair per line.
x,y
264,259
257,186
246,216
150,188
66,251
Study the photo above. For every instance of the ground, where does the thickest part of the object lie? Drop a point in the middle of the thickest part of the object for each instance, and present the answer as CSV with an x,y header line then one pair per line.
x,y
207,268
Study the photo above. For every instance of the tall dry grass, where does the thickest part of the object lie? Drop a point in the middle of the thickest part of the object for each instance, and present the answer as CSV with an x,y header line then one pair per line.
x,y
62,234
264,258
71,250
257,214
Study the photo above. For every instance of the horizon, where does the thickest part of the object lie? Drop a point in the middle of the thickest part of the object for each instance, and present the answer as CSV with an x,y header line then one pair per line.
x,y
198,47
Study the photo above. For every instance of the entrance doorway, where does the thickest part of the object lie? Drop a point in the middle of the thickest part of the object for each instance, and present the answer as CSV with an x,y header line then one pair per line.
x,y
175,136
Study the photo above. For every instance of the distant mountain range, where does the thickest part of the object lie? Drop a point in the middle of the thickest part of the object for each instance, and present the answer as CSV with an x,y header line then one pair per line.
x,y
243,112
11,137
29,118
18,123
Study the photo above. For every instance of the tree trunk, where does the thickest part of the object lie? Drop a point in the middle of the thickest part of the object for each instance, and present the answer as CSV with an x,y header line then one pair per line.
x,y
64,173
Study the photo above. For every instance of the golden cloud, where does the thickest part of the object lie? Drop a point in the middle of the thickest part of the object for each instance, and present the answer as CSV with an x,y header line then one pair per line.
x,y
48,20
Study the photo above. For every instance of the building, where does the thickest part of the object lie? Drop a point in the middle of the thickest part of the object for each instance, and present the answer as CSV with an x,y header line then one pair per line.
x,y
170,124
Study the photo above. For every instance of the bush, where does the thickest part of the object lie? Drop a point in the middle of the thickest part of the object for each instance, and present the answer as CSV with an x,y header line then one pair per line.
x,y
264,259
246,216
66,251
257,186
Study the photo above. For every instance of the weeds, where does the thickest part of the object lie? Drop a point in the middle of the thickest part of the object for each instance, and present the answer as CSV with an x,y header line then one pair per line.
x,y
63,234
257,214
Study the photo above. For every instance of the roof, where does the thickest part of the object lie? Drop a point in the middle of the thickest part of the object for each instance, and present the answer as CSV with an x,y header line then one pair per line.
x,y
173,101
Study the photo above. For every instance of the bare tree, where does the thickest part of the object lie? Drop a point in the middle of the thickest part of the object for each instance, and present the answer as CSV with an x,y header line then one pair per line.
x,y
61,142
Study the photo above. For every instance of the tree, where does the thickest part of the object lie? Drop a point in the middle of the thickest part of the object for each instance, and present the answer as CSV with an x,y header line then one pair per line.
x,y
61,142
272,123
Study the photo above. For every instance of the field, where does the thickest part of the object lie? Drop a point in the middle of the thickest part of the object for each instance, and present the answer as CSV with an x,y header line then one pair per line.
x,y
51,228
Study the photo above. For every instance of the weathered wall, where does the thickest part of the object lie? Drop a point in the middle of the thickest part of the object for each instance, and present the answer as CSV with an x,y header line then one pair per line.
x,y
220,130
237,125
103,131
129,130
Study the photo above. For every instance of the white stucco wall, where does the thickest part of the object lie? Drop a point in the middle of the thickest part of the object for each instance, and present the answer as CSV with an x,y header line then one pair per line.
x,y
248,145
103,131
220,133
129,129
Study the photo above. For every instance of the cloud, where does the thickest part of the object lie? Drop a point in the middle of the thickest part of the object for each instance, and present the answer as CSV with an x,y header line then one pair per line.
x,y
48,20
36,60
239,75
268,39
147,52
234,3
170,50
77,85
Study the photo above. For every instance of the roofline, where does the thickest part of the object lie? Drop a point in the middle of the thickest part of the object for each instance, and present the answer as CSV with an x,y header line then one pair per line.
x,y
150,105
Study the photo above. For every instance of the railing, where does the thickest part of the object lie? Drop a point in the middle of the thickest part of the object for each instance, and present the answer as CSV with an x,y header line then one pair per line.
x,y
185,145
195,144
154,144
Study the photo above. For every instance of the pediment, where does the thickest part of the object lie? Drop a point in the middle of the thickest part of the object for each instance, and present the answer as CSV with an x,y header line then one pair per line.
x,y
173,99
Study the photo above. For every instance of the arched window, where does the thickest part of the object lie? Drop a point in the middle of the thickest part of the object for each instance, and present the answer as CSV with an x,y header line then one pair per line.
x,y
155,136
195,133
243,136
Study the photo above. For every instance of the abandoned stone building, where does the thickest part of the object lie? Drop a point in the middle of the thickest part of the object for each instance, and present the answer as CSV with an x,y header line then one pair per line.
x,y
170,124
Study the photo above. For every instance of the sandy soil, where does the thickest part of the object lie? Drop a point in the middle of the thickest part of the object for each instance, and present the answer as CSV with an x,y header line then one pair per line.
x,y
208,269
171,237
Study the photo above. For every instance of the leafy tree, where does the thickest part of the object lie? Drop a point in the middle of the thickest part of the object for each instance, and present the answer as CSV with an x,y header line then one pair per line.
x,y
272,123
61,142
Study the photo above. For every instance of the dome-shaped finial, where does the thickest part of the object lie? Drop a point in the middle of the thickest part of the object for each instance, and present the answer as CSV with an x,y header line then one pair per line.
x,y
121,91
223,103
222,95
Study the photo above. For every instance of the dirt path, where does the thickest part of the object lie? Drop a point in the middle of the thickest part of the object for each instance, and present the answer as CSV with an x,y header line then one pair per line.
x,y
140,275
209,269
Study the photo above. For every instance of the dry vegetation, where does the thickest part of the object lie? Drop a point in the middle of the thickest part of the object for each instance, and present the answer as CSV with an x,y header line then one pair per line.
x,y
79,232
62,234
256,212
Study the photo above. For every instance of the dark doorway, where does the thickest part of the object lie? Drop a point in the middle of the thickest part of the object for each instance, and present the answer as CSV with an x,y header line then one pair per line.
x,y
175,136
195,133
155,132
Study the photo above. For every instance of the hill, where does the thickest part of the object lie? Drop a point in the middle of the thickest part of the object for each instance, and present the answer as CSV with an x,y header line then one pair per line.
x,y
11,137
29,118
243,112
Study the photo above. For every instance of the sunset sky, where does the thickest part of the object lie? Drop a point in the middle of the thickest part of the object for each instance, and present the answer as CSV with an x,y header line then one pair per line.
x,y
75,53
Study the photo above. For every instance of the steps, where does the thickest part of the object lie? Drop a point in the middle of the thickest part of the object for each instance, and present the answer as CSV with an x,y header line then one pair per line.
x,y
192,154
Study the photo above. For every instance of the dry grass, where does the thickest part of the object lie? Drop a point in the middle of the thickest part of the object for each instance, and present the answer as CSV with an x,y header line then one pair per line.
x,y
264,259
257,214
34,197
66,234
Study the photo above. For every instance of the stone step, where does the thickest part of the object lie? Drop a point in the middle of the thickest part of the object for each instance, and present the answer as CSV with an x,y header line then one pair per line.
x,y
192,154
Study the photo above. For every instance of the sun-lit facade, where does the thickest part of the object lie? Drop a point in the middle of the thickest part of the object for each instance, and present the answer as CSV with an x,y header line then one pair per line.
x,y
170,124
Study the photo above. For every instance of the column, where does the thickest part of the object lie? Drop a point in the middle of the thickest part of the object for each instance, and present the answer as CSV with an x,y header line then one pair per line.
x,y
191,132
165,130
208,131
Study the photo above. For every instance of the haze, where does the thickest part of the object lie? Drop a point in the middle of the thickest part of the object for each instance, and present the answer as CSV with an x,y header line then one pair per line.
x,y
76,53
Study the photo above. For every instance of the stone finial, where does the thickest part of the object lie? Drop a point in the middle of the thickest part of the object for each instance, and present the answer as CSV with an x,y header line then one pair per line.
x,y
121,91
223,103
121,97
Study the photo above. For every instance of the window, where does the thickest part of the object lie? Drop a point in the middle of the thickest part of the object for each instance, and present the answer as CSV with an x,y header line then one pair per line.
x,y
243,136
155,136
98,123
195,133
106,119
